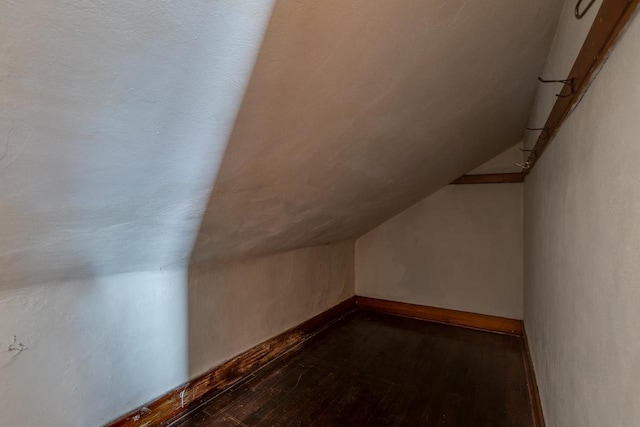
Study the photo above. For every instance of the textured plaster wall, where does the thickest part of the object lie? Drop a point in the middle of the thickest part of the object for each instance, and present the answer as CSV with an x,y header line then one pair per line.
x,y
582,246
114,117
93,348
358,109
236,305
567,42
460,248
87,351
505,162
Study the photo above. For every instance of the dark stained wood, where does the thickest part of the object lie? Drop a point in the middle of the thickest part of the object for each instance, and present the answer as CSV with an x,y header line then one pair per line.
x,y
537,415
180,400
612,18
371,369
443,315
492,178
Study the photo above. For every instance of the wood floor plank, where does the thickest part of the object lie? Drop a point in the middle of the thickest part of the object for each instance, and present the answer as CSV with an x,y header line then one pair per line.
x,y
355,404
379,370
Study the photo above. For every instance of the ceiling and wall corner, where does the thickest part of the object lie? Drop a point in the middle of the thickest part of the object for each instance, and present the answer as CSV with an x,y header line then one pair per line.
x,y
116,116
357,110
459,248
567,42
505,162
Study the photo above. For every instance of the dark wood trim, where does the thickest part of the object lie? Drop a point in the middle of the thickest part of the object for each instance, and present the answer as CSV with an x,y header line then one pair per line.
x,y
612,19
490,178
185,398
484,322
537,415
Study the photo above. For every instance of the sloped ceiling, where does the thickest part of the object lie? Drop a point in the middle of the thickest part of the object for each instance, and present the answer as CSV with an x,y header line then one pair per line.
x,y
358,109
115,117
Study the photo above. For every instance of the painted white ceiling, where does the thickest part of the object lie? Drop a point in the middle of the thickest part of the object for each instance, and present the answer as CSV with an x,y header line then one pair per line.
x,y
358,109
114,117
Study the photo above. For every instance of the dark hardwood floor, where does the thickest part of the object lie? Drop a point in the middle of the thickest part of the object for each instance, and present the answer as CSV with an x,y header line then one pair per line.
x,y
378,370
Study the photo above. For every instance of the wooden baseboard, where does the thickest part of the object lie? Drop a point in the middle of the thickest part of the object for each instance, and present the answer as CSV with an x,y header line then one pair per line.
x,y
442,315
532,384
180,400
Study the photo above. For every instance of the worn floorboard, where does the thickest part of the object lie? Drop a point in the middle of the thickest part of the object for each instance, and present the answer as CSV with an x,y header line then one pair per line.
x,y
377,370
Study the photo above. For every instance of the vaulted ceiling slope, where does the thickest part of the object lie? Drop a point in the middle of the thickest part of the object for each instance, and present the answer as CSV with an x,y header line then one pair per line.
x,y
115,117
358,109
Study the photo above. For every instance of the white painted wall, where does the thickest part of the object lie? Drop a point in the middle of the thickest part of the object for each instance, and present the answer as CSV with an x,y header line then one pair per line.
x,y
505,162
97,348
567,42
94,348
114,119
582,247
460,248
234,306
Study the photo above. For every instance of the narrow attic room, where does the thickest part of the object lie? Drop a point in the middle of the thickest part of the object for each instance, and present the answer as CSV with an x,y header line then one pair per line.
x,y
319,213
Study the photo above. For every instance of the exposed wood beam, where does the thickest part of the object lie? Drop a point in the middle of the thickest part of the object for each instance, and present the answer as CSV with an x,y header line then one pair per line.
x,y
612,18
491,178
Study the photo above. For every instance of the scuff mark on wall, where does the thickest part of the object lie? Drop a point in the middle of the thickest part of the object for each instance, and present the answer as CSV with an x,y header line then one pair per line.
x,y
76,344
6,144
12,147
11,351
16,347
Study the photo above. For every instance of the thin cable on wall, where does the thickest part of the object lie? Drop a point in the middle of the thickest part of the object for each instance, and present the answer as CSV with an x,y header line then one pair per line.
x,y
532,153
581,14
546,130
